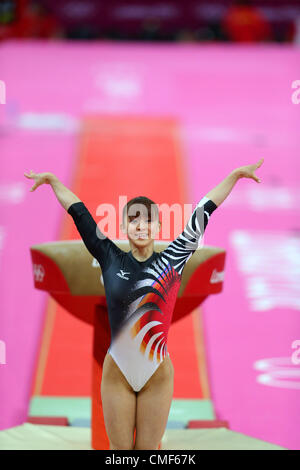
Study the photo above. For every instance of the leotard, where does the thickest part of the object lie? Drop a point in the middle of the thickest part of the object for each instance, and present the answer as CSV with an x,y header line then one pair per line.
x,y
141,295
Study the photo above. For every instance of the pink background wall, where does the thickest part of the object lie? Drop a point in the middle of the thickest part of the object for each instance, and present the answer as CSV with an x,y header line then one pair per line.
x,y
235,107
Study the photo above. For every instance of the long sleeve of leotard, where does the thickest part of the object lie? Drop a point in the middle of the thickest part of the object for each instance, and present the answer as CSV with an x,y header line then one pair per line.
x,y
95,241
181,249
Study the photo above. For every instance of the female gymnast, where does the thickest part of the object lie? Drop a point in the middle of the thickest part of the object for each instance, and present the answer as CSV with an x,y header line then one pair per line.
x,y
141,288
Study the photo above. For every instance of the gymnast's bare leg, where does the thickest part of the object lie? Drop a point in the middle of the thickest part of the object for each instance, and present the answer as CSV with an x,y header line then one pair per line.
x,y
153,407
146,410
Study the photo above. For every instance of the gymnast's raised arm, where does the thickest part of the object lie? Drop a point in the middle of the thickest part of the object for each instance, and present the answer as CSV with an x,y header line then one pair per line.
x,y
63,194
222,190
95,241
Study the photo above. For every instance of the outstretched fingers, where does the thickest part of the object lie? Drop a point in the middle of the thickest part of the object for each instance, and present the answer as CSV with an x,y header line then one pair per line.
x,y
259,163
34,186
29,175
32,175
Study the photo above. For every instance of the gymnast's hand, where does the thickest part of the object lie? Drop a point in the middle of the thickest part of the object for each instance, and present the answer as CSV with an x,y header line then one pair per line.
x,y
39,178
249,171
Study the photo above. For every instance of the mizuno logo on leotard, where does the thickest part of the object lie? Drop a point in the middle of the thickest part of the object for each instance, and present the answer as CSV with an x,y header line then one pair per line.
x,y
122,274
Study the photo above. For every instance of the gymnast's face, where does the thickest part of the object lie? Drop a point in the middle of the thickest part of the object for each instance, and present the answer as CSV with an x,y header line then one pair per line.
x,y
141,228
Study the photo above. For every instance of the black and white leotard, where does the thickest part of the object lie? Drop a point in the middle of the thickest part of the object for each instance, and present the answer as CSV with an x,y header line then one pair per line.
x,y
141,295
